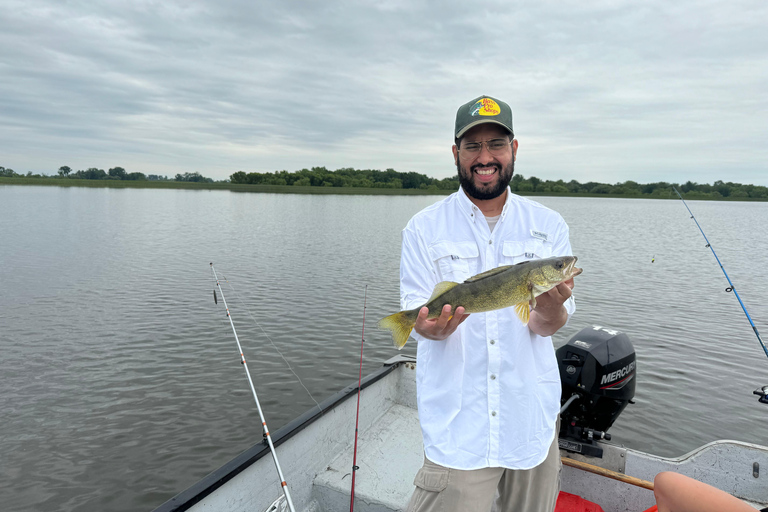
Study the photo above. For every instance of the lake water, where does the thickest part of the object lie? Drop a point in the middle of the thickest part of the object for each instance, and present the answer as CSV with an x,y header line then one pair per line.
x,y
121,383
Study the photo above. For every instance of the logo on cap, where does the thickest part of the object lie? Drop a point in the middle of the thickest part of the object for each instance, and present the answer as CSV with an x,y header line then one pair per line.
x,y
485,107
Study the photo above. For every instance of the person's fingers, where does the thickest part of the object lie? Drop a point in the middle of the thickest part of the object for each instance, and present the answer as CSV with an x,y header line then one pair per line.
x,y
562,292
444,318
458,317
441,327
421,318
423,325
553,298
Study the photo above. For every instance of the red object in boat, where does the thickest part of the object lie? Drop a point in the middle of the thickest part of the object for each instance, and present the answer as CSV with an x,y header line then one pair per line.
x,y
567,502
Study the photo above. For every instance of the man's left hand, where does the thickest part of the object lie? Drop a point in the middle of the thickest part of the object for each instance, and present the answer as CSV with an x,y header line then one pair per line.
x,y
550,314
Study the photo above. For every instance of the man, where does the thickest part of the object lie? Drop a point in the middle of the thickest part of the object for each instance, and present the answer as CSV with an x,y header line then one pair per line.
x,y
488,385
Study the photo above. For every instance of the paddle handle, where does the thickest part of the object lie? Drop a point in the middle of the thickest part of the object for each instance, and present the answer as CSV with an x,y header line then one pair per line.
x,y
608,473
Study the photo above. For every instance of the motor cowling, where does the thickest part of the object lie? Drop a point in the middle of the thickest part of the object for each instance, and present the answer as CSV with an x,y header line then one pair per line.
x,y
597,371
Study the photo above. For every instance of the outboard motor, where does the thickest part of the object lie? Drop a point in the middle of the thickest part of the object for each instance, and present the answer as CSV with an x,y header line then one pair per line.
x,y
597,371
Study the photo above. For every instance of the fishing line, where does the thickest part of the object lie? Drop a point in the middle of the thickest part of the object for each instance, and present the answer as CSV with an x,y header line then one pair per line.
x,y
730,288
357,417
255,397
270,340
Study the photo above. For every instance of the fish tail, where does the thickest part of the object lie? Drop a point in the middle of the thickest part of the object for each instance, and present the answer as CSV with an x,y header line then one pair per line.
x,y
400,325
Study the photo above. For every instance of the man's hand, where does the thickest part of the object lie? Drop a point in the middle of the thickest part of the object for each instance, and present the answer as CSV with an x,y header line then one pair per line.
x,y
550,314
441,327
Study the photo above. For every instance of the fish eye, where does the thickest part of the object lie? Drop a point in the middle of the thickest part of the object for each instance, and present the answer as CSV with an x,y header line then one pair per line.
x,y
559,264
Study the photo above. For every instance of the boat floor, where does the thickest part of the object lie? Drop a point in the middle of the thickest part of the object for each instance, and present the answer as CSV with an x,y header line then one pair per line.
x,y
389,454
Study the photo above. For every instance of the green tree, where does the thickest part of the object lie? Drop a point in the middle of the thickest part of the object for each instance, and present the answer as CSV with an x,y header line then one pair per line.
x,y
739,192
64,170
92,173
574,187
688,186
525,186
628,188
192,176
602,188
414,180
118,172
722,188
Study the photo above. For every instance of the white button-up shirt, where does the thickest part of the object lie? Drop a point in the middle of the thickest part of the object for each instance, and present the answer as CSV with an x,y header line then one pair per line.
x,y
488,395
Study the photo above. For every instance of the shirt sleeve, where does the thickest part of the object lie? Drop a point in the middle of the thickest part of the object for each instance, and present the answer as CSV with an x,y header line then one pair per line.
x,y
418,276
417,273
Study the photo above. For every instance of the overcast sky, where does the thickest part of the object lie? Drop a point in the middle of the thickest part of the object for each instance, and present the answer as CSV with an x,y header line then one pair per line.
x,y
602,91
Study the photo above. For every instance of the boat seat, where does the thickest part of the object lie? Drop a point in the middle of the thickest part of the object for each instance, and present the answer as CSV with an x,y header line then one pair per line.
x,y
389,454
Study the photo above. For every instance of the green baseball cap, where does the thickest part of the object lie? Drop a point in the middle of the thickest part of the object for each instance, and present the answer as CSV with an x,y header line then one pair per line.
x,y
483,110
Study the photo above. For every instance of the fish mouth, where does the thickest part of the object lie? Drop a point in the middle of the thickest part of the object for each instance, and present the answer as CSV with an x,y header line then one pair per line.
x,y
571,269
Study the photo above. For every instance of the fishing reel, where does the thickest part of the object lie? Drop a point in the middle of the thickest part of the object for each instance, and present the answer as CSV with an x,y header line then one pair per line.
x,y
279,505
762,393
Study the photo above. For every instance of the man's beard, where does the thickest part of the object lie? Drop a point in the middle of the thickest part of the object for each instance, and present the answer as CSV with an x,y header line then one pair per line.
x,y
468,184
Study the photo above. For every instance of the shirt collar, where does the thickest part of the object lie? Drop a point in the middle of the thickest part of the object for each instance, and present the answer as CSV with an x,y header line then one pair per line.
x,y
473,211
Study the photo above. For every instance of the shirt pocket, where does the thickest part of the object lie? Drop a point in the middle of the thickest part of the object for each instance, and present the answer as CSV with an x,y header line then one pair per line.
x,y
455,260
517,251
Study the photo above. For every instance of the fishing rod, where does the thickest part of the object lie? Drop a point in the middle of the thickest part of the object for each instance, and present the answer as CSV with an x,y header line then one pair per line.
x,y
255,396
357,417
730,288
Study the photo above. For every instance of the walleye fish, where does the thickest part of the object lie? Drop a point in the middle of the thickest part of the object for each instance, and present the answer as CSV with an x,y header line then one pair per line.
x,y
511,285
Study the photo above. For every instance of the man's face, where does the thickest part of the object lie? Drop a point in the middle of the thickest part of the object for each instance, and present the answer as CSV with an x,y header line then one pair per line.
x,y
484,175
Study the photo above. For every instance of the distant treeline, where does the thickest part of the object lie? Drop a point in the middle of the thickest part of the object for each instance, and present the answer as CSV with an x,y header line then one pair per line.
x,y
115,173
661,189
393,180
346,177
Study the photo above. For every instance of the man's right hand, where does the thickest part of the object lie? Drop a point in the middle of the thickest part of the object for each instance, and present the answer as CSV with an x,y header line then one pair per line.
x,y
441,327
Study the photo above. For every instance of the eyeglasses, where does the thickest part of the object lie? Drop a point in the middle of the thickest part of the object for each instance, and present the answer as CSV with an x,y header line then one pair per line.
x,y
495,146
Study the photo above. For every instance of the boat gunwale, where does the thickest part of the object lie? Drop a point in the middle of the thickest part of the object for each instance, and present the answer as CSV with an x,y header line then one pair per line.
x,y
213,481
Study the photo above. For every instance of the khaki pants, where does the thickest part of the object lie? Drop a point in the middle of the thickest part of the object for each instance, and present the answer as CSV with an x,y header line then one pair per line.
x,y
441,489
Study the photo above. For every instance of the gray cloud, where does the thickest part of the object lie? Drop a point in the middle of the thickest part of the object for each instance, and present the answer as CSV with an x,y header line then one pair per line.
x,y
606,92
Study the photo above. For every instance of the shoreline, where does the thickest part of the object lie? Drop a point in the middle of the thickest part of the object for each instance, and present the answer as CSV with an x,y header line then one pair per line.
x,y
288,189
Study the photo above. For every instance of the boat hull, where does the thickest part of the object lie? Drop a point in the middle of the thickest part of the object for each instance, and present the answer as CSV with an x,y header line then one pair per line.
x,y
315,452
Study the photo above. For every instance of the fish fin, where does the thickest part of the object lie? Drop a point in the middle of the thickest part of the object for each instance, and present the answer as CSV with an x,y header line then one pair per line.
x,y
535,290
538,289
488,273
400,325
523,310
441,288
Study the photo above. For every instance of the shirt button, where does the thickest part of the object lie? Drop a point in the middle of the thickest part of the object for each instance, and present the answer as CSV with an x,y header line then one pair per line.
x,y
490,242
493,413
493,342
493,377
